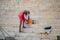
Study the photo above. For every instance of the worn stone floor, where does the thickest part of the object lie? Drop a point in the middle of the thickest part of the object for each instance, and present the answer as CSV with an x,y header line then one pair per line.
x,y
45,12
29,33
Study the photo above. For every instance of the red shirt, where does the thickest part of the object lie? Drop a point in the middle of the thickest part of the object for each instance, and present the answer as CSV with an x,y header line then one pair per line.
x,y
20,15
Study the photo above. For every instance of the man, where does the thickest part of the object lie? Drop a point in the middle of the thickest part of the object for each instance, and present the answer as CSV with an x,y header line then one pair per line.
x,y
23,16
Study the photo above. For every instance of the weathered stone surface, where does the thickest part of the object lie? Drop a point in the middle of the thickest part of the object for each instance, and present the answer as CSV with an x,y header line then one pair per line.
x,y
45,12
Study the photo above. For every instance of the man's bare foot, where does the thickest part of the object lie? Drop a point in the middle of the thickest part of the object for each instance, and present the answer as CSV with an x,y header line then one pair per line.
x,y
20,31
24,27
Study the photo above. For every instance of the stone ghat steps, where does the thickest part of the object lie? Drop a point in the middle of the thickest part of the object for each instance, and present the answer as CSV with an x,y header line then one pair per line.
x,y
1,35
35,36
31,36
35,30
54,26
47,10
30,33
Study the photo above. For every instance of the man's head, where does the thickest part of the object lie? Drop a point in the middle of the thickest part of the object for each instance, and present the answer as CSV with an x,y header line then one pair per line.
x,y
26,12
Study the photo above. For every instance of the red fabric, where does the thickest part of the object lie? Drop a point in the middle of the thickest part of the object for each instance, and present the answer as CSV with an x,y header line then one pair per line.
x,y
20,15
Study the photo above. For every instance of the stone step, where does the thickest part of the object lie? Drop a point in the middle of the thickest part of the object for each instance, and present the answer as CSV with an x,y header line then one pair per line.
x,y
1,35
27,33
32,30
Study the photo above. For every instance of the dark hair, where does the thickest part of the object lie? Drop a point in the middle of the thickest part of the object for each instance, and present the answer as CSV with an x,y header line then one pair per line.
x,y
26,12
